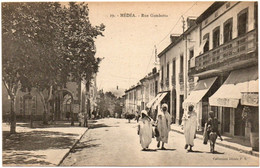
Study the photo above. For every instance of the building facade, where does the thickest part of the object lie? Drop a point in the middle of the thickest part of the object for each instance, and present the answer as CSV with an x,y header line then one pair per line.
x,y
227,63
71,99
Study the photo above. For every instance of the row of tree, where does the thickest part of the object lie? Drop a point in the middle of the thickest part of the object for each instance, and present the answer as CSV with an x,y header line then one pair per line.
x,y
108,104
43,44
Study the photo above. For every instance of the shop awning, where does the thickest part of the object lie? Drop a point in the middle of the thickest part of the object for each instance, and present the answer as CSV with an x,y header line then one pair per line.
x,y
238,81
158,101
150,103
199,91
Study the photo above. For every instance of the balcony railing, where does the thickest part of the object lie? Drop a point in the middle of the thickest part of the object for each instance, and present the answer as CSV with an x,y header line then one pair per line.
x,y
231,52
181,77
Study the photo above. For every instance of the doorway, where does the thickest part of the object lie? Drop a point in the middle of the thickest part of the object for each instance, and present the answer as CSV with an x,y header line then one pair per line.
x,y
181,109
239,123
226,119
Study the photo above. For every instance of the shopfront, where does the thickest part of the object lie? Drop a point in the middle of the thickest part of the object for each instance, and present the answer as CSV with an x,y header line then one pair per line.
x,y
198,99
155,104
232,97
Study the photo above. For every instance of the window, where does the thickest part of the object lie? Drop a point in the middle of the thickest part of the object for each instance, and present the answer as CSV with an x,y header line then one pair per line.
x,y
173,71
162,72
156,87
181,64
206,21
216,14
167,70
216,34
191,53
206,46
227,5
228,30
242,22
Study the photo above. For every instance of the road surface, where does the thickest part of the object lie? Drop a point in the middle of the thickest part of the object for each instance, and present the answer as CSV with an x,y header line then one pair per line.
x,y
114,142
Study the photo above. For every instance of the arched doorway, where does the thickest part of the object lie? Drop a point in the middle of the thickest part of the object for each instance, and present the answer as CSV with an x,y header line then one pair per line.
x,y
63,105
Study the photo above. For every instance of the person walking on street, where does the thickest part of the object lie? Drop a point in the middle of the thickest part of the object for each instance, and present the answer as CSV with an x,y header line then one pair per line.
x,y
163,126
212,125
189,124
145,130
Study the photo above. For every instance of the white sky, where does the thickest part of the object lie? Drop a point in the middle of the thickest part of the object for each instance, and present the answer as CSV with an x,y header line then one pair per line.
x,y
128,42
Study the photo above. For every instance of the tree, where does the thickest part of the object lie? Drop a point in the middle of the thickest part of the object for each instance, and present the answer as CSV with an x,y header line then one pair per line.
x,y
49,44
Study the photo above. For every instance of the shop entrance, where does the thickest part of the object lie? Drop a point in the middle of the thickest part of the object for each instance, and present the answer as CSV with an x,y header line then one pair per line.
x,y
226,119
181,109
239,123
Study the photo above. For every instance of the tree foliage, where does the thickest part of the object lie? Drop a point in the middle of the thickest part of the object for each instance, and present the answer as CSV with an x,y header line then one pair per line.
x,y
45,43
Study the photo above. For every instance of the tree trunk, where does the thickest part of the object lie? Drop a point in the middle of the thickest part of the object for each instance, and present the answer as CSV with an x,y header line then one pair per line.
x,y
72,117
12,116
44,119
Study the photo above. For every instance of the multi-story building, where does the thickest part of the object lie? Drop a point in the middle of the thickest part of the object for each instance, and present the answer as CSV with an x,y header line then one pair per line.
x,y
133,99
226,66
138,97
174,78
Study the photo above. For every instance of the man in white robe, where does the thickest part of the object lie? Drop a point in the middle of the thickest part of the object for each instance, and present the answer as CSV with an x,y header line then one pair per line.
x,y
163,126
145,130
189,123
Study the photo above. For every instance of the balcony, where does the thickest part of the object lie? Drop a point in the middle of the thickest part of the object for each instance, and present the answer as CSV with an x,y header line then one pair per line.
x,y
237,52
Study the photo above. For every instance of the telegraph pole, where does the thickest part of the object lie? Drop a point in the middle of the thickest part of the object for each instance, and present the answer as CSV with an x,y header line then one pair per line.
x,y
185,59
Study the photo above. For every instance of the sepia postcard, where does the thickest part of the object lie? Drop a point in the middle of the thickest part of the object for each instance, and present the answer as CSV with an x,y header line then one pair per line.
x,y
130,83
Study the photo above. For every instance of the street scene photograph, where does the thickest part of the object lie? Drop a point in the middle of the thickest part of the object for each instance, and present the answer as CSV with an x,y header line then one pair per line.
x,y
130,84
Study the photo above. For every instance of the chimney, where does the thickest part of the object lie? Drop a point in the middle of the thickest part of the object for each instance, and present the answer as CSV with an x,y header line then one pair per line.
x,y
154,70
191,21
174,37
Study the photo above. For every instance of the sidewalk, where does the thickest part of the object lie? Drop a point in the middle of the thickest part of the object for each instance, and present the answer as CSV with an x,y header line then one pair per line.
x,y
41,146
228,142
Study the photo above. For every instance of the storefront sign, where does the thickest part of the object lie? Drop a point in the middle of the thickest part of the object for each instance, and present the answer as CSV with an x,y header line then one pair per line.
x,y
224,102
250,99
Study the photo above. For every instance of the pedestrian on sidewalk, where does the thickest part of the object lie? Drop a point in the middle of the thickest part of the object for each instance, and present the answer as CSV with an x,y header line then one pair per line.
x,y
189,124
212,125
145,130
163,126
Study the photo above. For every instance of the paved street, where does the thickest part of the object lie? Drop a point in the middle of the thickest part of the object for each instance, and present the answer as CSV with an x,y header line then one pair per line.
x,y
114,142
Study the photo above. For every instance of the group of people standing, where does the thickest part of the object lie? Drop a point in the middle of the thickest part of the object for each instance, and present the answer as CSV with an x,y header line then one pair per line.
x,y
162,127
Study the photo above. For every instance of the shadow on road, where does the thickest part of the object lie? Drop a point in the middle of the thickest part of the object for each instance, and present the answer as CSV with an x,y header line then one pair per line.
x,y
167,149
86,144
150,150
216,152
194,151
37,140
94,126
24,158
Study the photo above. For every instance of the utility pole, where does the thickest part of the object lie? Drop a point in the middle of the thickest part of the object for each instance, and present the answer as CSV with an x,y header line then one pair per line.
x,y
185,75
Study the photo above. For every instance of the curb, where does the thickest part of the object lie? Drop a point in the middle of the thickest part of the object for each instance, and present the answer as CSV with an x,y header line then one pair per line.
x,y
75,143
253,153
